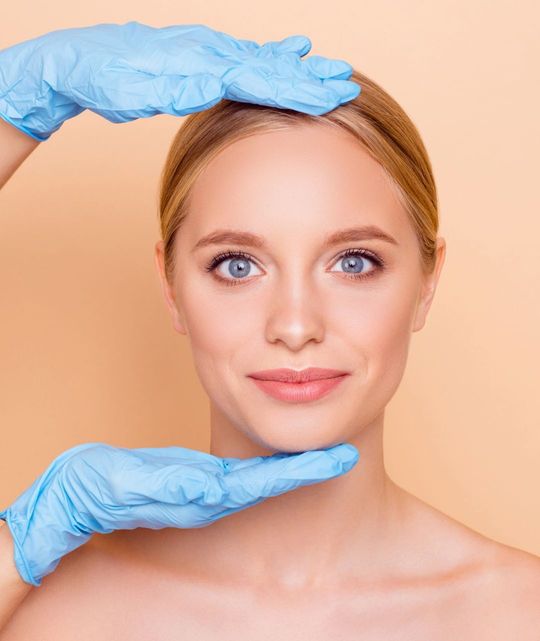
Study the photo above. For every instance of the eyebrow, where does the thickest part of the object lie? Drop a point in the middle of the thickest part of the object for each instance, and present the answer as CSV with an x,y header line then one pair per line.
x,y
221,236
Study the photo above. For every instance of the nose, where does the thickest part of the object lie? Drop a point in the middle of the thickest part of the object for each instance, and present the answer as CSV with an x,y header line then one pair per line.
x,y
296,315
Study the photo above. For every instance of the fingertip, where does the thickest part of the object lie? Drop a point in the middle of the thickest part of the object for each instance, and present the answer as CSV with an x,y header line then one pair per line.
x,y
298,44
345,90
347,454
328,68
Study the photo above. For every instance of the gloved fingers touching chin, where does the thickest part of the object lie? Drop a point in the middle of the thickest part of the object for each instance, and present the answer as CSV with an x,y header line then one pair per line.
x,y
178,454
177,484
281,473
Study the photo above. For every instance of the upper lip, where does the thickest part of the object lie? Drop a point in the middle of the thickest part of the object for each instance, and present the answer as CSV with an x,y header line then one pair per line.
x,y
286,375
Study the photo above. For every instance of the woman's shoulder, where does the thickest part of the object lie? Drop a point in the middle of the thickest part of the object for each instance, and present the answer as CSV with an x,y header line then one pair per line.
x,y
505,593
110,587
72,601
487,581
515,577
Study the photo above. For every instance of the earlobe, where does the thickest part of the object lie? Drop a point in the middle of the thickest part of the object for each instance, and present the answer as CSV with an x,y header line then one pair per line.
x,y
429,287
167,290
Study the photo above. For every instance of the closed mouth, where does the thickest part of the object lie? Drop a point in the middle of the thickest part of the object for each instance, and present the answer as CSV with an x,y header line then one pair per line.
x,y
286,375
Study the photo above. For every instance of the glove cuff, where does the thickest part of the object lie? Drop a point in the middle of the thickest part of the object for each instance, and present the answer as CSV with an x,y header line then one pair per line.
x,y
19,558
22,128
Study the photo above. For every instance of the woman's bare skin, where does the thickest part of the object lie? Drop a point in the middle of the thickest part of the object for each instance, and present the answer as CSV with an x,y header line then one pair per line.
x,y
15,147
125,585
431,577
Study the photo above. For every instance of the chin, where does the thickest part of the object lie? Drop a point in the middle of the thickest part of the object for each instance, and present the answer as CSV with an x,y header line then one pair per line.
x,y
294,439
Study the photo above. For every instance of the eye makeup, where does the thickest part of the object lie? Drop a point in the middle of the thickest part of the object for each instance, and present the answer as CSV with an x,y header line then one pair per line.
x,y
216,261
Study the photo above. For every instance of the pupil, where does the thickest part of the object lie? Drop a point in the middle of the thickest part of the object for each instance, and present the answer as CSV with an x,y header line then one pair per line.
x,y
240,265
353,262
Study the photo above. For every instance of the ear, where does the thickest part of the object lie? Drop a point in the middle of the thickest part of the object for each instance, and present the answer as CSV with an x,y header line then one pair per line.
x,y
159,259
429,286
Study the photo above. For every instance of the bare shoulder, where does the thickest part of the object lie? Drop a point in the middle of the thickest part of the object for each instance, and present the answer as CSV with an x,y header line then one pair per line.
x,y
67,604
500,598
504,598
496,586
516,579
490,584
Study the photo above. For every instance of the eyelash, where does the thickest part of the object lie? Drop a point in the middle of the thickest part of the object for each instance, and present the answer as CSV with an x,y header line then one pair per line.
x,y
363,253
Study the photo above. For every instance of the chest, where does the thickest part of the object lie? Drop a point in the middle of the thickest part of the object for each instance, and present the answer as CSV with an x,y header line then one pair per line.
x,y
148,606
415,615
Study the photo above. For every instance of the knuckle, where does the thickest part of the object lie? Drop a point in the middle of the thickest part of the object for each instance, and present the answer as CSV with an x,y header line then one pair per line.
x,y
81,457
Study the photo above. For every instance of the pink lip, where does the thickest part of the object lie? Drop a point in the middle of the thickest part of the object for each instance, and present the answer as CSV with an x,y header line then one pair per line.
x,y
313,383
299,392
286,375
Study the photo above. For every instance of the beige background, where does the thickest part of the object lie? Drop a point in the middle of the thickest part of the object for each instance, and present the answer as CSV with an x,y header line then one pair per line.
x,y
87,350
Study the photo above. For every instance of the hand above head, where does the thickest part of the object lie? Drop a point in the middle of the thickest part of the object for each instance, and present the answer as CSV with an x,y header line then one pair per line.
x,y
97,488
128,71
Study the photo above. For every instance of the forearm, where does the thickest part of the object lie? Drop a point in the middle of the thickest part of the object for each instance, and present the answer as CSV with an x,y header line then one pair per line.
x,y
12,588
15,147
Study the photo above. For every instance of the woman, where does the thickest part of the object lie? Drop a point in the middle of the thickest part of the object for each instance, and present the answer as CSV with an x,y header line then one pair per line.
x,y
296,241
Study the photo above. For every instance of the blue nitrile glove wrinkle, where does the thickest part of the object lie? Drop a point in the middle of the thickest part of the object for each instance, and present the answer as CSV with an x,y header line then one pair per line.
x,y
123,72
98,488
128,71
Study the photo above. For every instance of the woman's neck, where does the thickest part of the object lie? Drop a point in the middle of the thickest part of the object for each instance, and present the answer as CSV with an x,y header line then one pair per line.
x,y
326,533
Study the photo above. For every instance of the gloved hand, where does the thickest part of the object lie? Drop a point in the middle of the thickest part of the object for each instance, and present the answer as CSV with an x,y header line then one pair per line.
x,y
129,71
95,487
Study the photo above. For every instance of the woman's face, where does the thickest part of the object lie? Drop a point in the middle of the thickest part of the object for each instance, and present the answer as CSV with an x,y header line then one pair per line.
x,y
292,300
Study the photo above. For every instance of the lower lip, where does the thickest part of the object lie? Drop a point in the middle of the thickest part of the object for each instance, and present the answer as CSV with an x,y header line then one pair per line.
x,y
299,392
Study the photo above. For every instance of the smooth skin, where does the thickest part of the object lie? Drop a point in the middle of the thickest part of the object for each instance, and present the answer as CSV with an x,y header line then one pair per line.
x,y
45,82
357,556
15,147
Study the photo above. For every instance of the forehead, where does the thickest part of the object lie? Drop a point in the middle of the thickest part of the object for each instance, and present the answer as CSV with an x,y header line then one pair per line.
x,y
302,179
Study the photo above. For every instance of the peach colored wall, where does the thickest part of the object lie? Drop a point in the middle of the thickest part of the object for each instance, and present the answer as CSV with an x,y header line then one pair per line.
x,y
87,350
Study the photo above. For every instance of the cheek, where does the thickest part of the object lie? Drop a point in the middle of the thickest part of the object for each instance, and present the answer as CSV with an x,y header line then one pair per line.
x,y
378,329
387,324
218,329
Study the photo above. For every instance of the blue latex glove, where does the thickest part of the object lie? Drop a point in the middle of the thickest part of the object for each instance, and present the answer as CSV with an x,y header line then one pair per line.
x,y
129,71
95,487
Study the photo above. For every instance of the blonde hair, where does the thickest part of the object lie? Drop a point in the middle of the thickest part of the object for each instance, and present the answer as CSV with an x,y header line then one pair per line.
x,y
374,118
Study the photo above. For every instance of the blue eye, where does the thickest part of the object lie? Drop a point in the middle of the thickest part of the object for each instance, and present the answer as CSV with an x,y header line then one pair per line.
x,y
354,261
239,268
